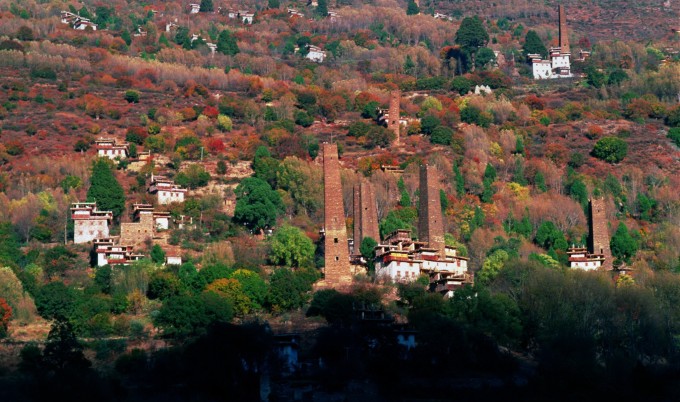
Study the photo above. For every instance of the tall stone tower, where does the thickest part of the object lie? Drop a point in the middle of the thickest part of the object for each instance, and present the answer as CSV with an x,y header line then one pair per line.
x,y
335,242
599,232
564,34
393,121
430,219
365,215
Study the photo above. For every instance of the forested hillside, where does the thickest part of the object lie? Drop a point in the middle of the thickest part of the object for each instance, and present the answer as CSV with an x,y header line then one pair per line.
x,y
234,112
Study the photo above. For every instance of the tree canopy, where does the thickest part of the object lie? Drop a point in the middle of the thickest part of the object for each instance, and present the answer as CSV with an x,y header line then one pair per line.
x,y
257,205
105,189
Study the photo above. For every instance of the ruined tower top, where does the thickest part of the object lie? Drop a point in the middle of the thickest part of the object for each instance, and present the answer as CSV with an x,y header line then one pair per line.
x,y
430,219
599,231
394,114
564,34
337,268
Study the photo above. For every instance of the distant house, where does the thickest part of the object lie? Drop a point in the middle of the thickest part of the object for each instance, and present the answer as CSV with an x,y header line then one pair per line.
x,y
315,54
68,17
246,17
440,16
166,190
82,24
333,15
580,258
110,148
140,32
110,253
193,8
173,259
170,26
89,223
295,13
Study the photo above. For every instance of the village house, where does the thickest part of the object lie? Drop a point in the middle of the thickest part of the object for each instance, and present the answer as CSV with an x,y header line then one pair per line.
x,y
440,16
193,8
109,253
88,222
402,259
112,149
82,24
580,258
559,63
166,190
247,17
146,222
315,54
173,259
295,13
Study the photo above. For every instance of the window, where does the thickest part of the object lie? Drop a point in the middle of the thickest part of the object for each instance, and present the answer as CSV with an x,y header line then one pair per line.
x,y
337,258
335,240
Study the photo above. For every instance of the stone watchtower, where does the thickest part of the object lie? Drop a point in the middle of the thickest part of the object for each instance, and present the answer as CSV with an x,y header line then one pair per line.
x,y
599,231
394,114
336,250
564,34
430,219
365,215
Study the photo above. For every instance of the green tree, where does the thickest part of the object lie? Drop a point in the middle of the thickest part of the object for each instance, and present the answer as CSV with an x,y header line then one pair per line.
x,y
484,57
623,245
461,84
471,36
273,4
290,247
253,286
206,6
367,248
429,123
132,96
257,205
460,181
105,189
610,149
492,266
322,8
534,45
265,166
441,135
412,8
226,43
539,181
287,289
55,301
184,316
157,254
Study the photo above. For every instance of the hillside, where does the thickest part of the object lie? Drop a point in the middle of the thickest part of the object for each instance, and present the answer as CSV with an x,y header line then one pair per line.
x,y
173,214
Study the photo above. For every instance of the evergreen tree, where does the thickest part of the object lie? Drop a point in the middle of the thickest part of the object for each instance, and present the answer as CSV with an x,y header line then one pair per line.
x,y
273,4
412,8
105,189
226,43
539,181
322,8
623,245
206,6
460,181
157,254
125,35
534,45
471,37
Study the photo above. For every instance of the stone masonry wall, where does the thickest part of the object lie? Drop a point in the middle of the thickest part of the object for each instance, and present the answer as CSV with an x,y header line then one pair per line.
x,y
394,114
337,268
137,232
430,219
365,215
564,33
599,231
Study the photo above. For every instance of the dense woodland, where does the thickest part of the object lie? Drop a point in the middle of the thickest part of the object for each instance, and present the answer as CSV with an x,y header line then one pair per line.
x,y
241,128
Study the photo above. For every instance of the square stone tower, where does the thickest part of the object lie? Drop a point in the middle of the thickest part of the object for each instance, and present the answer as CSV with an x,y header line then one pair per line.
x,y
394,114
365,215
599,231
430,219
337,268
564,34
